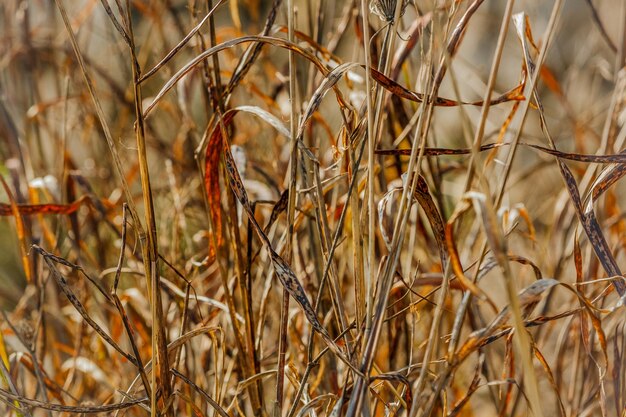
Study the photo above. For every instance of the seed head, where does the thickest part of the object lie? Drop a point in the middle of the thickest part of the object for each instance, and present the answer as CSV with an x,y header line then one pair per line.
x,y
386,9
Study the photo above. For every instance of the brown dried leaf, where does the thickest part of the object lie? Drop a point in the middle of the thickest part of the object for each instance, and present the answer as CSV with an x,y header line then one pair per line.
x,y
425,200
32,209
593,230
398,90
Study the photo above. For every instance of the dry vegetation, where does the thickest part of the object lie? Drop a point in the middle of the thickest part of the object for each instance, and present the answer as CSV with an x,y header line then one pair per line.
x,y
434,226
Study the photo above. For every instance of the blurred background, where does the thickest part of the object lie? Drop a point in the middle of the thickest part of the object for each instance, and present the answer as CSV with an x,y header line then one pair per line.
x,y
53,151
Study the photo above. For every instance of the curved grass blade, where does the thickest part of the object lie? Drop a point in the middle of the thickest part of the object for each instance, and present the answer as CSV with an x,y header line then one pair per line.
x,y
529,297
62,282
437,151
587,217
605,180
396,89
281,43
425,200
253,51
546,367
492,263
619,158
32,209
330,80
593,230
202,392
73,409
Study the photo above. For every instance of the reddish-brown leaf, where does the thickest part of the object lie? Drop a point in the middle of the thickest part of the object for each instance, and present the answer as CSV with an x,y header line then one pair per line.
x,y
212,183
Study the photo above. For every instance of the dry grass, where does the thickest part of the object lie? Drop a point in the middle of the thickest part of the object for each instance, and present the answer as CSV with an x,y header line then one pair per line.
x,y
432,226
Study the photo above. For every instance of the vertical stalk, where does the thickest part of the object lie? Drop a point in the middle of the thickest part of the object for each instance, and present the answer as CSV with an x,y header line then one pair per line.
x,y
477,141
248,355
621,53
291,206
371,229
374,126
150,249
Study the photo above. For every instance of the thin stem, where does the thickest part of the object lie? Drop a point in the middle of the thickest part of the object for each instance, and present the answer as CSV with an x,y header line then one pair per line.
x,y
291,208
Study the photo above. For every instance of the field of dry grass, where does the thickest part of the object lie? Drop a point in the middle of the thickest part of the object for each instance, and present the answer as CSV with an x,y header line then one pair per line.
x,y
313,208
